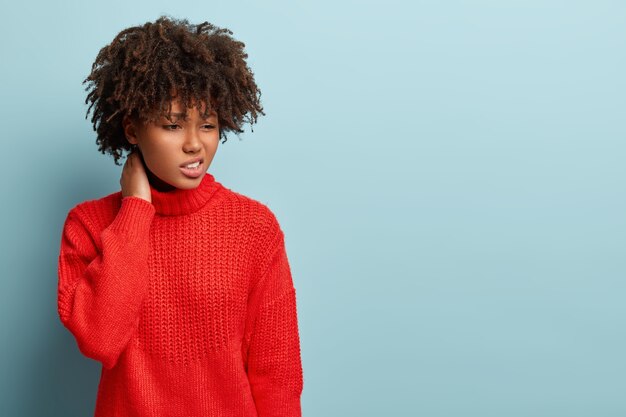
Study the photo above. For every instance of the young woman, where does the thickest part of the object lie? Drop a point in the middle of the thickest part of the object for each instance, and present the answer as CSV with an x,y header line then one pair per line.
x,y
179,286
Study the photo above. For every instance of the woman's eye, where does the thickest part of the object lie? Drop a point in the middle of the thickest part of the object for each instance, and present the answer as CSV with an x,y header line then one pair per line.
x,y
175,127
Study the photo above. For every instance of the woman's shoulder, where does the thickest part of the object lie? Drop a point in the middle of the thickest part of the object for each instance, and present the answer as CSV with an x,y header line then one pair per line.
x,y
252,214
97,211
254,207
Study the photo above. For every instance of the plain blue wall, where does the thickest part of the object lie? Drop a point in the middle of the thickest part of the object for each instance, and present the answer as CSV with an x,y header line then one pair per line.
x,y
449,176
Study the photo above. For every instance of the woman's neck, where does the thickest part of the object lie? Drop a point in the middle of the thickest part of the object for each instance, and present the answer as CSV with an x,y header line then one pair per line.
x,y
158,183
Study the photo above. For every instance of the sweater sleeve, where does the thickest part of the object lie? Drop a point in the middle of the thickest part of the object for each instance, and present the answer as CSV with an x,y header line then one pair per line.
x,y
274,363
100,290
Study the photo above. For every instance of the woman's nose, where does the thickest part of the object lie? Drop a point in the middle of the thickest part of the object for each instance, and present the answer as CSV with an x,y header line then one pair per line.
x,y
192,141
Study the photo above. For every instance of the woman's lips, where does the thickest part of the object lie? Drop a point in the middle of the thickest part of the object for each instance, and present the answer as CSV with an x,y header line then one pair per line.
x,y
192,161
192,172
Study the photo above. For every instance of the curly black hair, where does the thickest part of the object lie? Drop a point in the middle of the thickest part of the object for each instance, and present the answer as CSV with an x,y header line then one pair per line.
x,y
145,67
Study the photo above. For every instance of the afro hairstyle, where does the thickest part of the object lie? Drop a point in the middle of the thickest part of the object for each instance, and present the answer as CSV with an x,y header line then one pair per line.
x,y
146,67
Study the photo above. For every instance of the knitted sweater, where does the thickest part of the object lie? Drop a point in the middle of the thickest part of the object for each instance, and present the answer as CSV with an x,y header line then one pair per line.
x,y
187,302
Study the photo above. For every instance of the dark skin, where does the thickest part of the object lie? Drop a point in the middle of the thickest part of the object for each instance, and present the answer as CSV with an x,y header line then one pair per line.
x,y
134,180
164,146
136,176
155,181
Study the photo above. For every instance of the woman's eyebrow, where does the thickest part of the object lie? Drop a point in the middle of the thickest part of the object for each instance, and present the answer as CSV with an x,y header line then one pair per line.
x,y
178,115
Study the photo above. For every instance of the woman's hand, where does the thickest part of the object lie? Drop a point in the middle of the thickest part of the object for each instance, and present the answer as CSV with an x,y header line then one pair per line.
x,y
134,180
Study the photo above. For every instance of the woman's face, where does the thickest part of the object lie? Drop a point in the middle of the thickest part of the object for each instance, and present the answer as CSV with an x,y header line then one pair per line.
x,y
168,146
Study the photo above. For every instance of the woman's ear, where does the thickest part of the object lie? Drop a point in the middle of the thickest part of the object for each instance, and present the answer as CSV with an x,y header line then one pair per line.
x,y
129,130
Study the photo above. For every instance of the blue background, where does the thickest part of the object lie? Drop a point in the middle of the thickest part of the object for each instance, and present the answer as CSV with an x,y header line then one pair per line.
x,y
449,176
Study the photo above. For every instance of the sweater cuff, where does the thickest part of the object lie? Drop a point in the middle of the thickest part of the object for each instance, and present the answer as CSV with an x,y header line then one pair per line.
x,y
134,216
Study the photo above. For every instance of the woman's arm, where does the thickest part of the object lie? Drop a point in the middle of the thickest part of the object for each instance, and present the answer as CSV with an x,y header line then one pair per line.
x,y
273,356
100,291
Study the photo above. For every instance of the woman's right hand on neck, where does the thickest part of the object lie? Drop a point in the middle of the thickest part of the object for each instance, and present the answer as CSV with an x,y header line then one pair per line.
x,y
134,180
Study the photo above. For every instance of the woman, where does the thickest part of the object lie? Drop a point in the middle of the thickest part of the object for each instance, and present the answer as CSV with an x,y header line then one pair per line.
x,y
178,285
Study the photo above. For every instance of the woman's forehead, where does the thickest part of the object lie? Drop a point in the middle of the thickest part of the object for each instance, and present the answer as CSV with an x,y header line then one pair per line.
x,y
196,105
189,112
178,111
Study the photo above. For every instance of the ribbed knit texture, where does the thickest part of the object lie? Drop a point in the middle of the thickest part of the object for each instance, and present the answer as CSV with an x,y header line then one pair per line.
x,y
188,302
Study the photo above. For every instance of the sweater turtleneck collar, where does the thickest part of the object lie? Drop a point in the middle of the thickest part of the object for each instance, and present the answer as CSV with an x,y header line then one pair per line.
x,y
184,201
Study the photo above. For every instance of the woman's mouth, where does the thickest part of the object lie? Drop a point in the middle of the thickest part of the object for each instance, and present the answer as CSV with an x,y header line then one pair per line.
x,y
193,170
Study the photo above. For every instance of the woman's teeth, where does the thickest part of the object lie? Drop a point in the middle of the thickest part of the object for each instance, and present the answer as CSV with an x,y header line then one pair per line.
x,y
194,165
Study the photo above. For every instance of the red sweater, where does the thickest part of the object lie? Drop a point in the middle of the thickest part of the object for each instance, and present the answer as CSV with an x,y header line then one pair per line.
x,y
187,302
